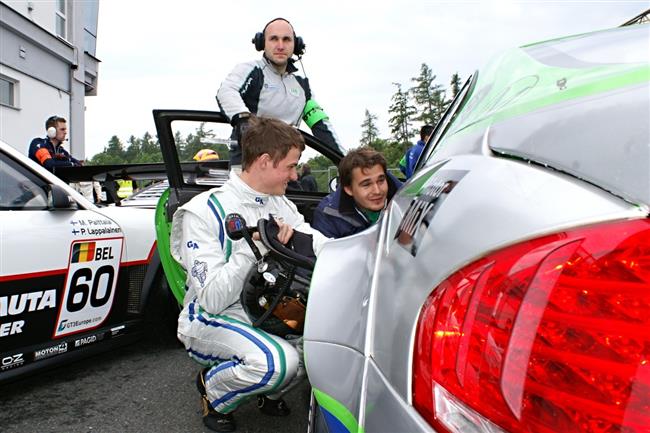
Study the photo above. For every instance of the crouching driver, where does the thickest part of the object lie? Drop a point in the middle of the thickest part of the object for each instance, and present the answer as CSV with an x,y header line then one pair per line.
x,y
239,361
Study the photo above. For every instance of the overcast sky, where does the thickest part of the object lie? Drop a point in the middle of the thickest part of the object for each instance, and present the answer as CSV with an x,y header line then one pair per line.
x,y
171,54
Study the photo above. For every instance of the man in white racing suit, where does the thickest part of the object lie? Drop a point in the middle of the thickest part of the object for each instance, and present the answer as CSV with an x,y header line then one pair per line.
x,y
240,361
269,87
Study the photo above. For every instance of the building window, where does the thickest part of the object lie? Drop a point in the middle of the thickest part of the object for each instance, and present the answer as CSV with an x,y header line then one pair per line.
x,y
91,12
61,19
8,91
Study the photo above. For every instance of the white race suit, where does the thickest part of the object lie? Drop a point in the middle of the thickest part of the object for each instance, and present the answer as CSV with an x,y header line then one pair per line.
x,y
213,326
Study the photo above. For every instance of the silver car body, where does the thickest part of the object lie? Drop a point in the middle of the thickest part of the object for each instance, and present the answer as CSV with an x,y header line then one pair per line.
x,y
549,137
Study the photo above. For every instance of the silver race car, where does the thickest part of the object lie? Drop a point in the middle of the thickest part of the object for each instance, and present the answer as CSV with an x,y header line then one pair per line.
x,y
507,286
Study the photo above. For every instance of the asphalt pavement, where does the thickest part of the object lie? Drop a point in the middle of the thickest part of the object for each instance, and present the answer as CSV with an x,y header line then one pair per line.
x,y
145,387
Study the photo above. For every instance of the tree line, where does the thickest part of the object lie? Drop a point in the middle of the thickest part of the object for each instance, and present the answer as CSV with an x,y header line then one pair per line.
x,y
422,103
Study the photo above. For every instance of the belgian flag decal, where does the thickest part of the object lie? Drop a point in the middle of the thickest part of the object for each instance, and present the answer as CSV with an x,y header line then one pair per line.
x,y
83,252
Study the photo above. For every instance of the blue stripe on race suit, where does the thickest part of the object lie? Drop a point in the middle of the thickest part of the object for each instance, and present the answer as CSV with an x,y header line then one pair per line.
x,y
269,357
216,214
203,357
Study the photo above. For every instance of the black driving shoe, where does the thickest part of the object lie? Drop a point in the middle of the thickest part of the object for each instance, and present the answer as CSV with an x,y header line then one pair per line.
x,y
272,407
215,421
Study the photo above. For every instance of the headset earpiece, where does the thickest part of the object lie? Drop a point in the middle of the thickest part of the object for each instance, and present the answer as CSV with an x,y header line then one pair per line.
x,y
298,46
258,41
51,132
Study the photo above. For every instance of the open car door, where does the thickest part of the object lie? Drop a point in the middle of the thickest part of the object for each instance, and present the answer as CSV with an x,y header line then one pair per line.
x,y
211,131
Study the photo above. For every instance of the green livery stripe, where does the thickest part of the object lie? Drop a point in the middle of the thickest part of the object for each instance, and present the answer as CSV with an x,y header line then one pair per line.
x,y
283,361
338,410
174,272
545,93
215,201
535,81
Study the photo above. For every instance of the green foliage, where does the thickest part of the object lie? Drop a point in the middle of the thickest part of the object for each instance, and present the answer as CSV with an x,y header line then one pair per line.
x,y
147,148
200,139
402,114
323,170
369,131
392,151
428,97
455,85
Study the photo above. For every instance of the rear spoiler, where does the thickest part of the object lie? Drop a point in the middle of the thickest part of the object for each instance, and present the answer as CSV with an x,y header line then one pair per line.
x,y
108,174
152,171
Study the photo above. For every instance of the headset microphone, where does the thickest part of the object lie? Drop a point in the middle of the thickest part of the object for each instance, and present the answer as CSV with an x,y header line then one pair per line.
x,y
51,132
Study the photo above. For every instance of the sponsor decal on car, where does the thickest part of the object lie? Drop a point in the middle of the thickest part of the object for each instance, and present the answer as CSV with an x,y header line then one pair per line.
x,y
94,227
11,361
50,351
88,340
424,206
89,286
117,330
15,305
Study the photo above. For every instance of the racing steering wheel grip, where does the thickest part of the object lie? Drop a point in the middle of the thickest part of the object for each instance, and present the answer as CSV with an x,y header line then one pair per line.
x,y
301,256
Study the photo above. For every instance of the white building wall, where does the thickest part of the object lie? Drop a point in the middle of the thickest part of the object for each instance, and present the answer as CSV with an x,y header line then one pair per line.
x,y
36,102
39,11
53,75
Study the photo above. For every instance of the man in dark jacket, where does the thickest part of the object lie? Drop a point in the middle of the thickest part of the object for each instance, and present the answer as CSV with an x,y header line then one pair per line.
x,y
48,151
364,190
410,158
307,180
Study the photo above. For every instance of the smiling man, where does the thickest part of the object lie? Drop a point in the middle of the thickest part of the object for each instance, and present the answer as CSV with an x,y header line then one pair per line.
x,y
365,189
269,87
239,361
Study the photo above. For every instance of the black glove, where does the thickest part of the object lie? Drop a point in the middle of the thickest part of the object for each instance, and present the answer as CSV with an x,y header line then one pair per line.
x,y
240,125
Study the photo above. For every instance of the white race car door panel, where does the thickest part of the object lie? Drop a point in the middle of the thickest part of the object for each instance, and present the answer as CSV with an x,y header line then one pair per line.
x,y
58,275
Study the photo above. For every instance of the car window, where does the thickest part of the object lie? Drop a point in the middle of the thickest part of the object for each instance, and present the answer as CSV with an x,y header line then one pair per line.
x,y
19,188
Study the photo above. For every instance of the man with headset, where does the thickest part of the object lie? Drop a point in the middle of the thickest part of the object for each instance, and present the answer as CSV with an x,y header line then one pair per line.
x,y
48,151
269,87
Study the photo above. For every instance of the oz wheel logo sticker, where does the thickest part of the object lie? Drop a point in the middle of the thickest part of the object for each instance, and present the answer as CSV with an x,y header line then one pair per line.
x,y
90,285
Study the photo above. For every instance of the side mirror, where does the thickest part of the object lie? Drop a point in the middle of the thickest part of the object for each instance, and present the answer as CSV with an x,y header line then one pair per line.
x,y
334,183
58,198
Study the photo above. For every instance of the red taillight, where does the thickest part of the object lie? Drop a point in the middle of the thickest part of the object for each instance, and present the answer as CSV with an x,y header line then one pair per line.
x,y
550,335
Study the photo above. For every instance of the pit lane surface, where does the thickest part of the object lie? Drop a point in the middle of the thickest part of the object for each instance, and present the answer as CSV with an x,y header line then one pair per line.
x,y
145,387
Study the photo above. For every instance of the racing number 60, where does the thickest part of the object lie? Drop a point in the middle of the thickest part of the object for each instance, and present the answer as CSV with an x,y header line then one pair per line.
x,y
82,289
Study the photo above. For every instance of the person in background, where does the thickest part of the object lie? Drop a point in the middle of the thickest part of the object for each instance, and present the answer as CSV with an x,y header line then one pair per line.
x,y
410,158
269,87
49,152
307,180
365,187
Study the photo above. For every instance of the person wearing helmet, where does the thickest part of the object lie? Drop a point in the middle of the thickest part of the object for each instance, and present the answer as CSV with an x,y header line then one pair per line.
x,y
241,361
206,155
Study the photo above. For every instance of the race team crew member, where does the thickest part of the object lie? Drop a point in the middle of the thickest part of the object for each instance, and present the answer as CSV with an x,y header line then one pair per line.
x,y
410,158
240,361
365,188
48,151
269,87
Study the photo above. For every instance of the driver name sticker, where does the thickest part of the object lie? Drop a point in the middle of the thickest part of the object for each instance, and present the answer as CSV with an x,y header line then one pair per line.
x,y
90,285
